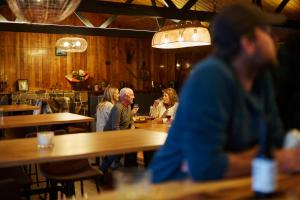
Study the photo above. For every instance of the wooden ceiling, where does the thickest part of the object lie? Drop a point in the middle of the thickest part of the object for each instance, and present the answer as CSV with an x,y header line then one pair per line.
x,y
147,16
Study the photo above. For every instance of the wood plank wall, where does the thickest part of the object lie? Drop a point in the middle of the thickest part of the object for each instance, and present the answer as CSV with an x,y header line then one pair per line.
x,y
32,56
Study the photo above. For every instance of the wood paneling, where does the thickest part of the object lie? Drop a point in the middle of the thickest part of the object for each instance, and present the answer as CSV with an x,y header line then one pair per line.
x,y
32,56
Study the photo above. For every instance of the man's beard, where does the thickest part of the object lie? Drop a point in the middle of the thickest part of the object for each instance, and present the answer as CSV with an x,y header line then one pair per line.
x,y
260,64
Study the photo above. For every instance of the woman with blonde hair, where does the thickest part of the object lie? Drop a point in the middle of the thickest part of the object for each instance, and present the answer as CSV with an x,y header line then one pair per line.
x,y
110,97
167,106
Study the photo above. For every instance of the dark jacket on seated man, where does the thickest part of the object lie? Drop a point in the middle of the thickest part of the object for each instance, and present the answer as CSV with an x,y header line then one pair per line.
x,y
120,118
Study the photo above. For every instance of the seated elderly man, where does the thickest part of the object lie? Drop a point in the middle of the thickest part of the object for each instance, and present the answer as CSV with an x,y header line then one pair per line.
x,y
121,119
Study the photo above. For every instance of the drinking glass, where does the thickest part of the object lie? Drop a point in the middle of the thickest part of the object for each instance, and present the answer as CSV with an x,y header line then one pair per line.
x,y
135,109
292,139
45,139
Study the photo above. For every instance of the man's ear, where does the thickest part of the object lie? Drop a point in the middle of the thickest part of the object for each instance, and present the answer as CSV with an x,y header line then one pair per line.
x,y
248,45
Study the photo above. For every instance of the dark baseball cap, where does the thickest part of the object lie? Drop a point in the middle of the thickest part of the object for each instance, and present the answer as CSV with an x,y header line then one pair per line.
x,y
237,20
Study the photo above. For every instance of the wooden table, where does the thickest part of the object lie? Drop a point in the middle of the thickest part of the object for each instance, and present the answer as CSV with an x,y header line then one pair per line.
x,y
233,189
41,120
13,108
82,145
152,125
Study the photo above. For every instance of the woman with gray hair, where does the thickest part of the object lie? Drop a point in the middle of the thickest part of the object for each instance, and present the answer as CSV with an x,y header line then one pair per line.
x,y
110,97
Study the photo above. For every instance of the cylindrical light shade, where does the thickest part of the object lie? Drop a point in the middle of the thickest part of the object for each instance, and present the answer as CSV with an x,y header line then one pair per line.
x,y
42,11
72,44
180,37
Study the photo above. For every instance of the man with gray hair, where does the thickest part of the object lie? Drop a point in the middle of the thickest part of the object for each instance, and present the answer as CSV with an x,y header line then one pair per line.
x,y
121,119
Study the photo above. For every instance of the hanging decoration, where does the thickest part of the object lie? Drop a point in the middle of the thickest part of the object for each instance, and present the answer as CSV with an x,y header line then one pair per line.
x,y
42,11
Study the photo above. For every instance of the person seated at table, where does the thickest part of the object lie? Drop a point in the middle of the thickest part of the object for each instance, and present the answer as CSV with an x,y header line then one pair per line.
x,y
121,119
224,102
110,97
166,106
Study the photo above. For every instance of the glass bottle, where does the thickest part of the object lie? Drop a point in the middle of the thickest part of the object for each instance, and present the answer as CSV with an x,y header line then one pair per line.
x,y
264,165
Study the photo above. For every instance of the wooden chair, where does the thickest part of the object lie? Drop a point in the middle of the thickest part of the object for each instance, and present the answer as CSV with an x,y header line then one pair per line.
x,y
66,173
28,168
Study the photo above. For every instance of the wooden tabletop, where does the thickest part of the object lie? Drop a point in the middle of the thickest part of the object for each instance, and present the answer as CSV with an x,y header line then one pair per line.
x,y
13,108
152,125
40,120
233,189
82,145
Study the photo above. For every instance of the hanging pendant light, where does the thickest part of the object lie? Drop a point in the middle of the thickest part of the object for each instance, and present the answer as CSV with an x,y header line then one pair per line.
x,y
186,34
42,11
71,44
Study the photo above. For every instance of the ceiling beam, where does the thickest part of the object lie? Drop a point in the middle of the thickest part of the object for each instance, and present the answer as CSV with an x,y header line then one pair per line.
x,y
160,22
189,4
153,2
112,18
2,18
170,4
84,20
281,6
80,30
108,21
142,10
257,2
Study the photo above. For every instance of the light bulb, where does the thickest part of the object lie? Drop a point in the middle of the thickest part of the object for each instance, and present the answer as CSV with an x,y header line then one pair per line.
x,y
77,44
195,35
180,39
177,64
187,65
166,39
66,44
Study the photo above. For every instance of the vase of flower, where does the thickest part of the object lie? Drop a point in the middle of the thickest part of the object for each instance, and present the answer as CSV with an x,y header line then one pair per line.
x,y
77,78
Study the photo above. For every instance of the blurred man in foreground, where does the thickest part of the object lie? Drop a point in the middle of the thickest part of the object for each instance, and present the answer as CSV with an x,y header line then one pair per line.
x,y
215,133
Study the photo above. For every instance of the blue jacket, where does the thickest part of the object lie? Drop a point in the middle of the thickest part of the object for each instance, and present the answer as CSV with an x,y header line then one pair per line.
x,y
215,116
